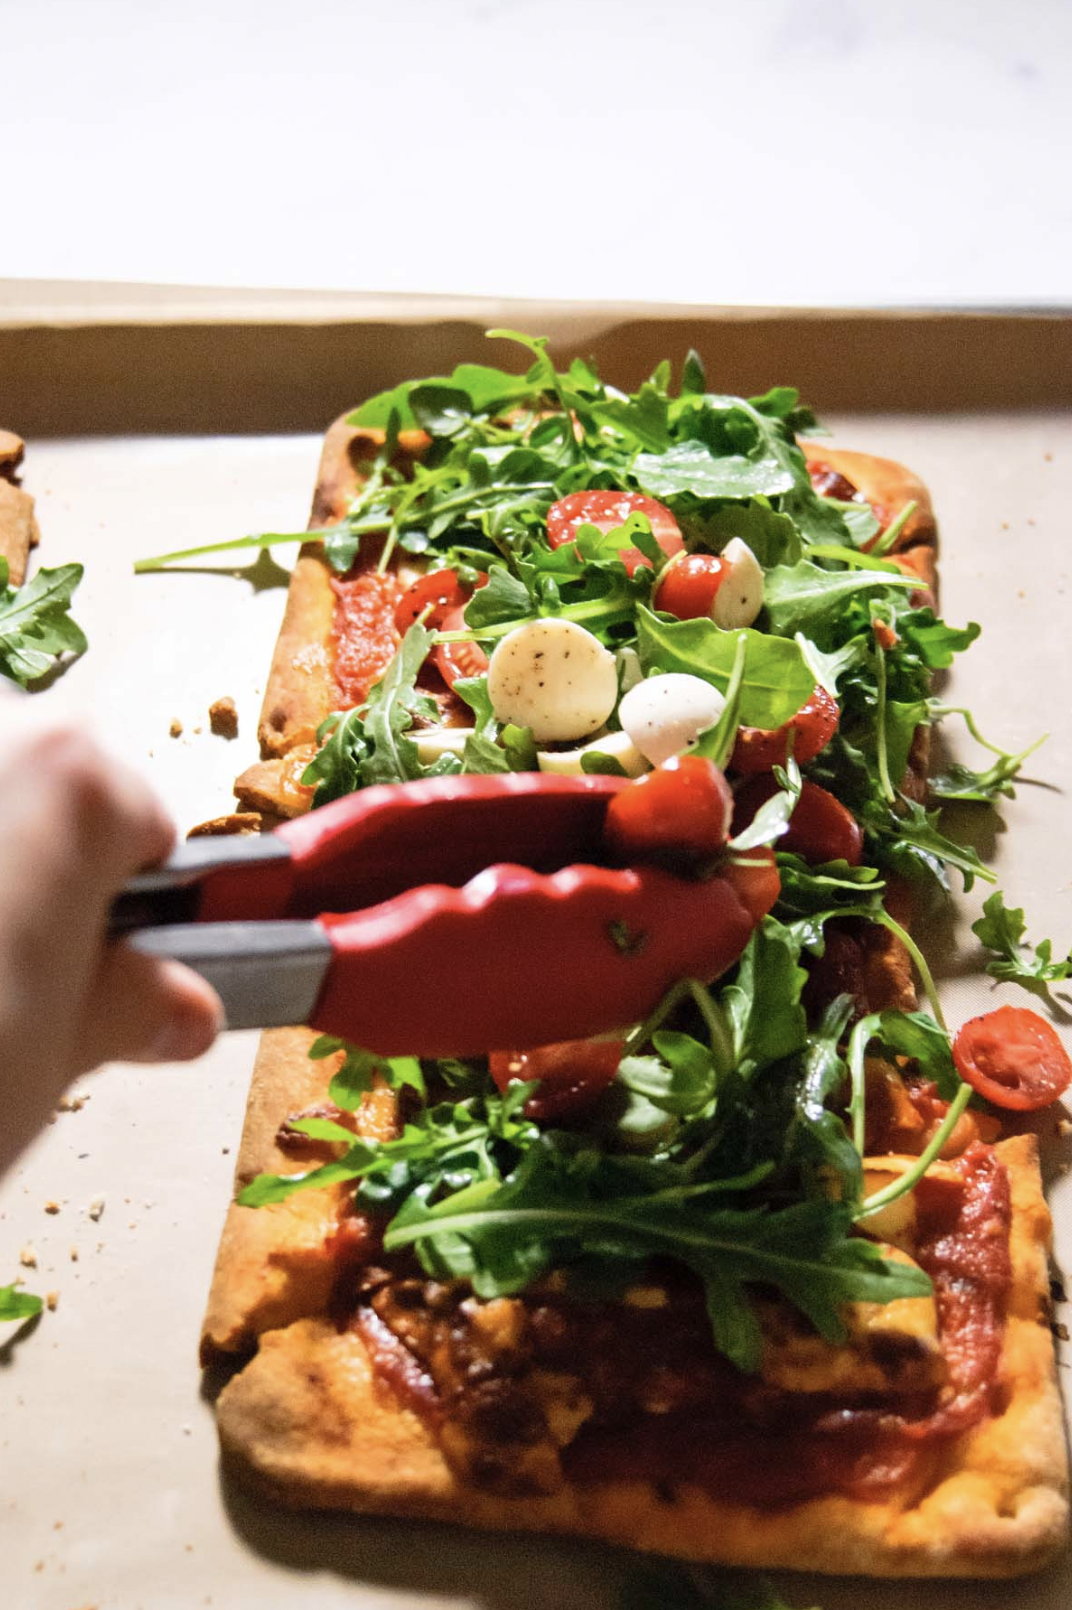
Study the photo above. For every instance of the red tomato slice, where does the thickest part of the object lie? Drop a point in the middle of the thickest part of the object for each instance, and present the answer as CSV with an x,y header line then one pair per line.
x,y
820,828
456,660
678,813
1013,1058
572,1074
689,585
608,510
439,589
761,749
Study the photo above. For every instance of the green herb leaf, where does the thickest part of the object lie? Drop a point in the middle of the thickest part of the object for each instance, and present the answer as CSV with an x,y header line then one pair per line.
x,y
36,628
692,467
16,1304
803,597
1001,929
763,1004
776,679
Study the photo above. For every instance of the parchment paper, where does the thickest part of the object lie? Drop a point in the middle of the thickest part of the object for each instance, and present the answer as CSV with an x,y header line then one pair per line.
x,y
110,1496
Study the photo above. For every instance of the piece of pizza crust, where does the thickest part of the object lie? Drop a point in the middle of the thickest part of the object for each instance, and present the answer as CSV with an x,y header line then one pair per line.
x,y
18,524
307,1424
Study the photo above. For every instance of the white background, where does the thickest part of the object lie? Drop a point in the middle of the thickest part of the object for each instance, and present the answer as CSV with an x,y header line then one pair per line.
x,y
782,151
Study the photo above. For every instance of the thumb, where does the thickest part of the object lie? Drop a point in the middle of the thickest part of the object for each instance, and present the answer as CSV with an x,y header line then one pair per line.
x,y
146,1009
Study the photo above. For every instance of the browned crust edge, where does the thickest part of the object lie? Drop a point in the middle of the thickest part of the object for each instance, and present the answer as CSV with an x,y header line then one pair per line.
x,y
306,1424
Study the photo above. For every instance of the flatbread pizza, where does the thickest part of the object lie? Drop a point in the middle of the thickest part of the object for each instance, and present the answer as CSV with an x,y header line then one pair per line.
x,y
756,1280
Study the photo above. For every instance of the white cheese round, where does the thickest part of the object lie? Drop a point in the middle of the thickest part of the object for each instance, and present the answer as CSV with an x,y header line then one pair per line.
x,y
567,762
555,677
666,714
740,597
434,742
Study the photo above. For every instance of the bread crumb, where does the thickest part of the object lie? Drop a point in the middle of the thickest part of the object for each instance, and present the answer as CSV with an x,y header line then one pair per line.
x,y
197,731
223,718
1048,457
52,1301
28,1257
74,1254
96,1208
52,1206
71,1103
175,729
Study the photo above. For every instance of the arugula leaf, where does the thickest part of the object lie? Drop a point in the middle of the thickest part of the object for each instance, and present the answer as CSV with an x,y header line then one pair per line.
x,y
1001,928
371,744
909,840
772,536
681,1079
16,1304
776,680
563,1200
763,1003
359,1071
36,628
818,1136
804,596
692,467
502,599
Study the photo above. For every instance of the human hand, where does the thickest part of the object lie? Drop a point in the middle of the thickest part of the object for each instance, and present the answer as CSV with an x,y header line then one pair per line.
x,y
74,825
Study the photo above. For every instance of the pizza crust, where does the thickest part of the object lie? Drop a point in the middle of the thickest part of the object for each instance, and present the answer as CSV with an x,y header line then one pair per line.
x,y
306,1424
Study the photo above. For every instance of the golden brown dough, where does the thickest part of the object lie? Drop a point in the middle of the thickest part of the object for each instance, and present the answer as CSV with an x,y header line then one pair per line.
x,y
18,530
307,1425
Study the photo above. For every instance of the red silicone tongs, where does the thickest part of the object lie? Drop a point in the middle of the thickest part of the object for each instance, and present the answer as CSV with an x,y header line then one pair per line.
x,y
445,917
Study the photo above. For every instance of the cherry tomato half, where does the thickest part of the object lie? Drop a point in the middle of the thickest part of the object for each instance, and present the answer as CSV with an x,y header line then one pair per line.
x,y
606,510
438,591
689,585
820,828
813,726
456,660
572,1074
1013,1058
681,811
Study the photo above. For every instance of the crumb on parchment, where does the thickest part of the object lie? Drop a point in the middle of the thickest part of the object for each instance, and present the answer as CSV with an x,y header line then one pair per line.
x,y
223,718
96,1208
28,1257
175,729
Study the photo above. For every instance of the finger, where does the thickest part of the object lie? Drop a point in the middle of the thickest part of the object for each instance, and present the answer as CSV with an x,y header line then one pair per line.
x,y
146,1009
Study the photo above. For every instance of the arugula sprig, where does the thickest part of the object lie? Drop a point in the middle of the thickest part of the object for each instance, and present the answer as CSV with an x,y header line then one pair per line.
x,y
17,1305
36,628
1002,929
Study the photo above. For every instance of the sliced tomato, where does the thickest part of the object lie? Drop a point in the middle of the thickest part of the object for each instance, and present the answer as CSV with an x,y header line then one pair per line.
x,y
607,510
437,591
681,811
820,828
761,749
689,585
1013,1058
572,1074
456,660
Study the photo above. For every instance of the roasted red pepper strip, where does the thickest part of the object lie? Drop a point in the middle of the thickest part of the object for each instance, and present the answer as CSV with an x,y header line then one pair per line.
x,y
442,972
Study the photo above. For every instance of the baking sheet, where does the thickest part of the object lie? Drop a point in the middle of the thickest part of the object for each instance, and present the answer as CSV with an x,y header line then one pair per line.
x,y
110,1494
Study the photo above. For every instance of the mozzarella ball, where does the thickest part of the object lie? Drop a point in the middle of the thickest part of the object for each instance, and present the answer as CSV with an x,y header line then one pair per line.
x,y
555,677
740,597
567,762
435,742
666,714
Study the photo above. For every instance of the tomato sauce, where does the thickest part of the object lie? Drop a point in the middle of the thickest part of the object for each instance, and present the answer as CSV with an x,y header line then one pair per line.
x,y
666,1408
364,635
964,1246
